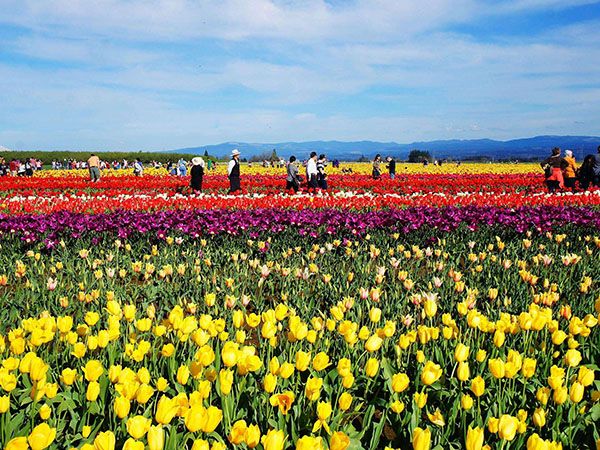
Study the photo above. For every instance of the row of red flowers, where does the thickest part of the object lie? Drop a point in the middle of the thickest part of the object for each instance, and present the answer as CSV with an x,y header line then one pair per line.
x,y
98,203
406,184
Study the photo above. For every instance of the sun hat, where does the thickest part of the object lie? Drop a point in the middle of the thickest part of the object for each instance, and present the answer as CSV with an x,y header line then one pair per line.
x,y
197,161
568,153
235,152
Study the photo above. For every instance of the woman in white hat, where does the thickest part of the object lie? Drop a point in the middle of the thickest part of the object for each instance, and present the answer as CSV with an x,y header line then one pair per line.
x,y
233,172
197,173
570,172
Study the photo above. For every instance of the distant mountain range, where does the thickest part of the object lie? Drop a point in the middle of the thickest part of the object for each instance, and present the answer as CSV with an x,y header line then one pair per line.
x,y
534,147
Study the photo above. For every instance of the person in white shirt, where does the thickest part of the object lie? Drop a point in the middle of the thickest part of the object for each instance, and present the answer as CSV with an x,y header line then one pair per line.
x,y
233,172
311,172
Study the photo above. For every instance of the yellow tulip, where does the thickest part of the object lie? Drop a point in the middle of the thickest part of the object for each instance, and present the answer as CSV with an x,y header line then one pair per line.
x,y
397,406
225,381
344,367
539,417
252,436
286,370
528,369
229,353
585,376
461,353
284,401
339,441
474,438
321,361
493,425
507,427
105,441
421,439
373,343
400,382
93,370
144,393
375,315
302,360
309,443
41,437
18,443
572,357
183,374
372,367
93,390
166,409
497,367
466,402
312,389
345,401
463,372
430,307
273,440
121,407
44,412
270,383
4,404
68,376
560,395
576,392
420,399
132,444
237,434
212,419
437,418
542,395
431,373
138,426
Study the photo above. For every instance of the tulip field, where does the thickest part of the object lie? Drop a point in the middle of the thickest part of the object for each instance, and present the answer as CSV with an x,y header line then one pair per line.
x,y
454,307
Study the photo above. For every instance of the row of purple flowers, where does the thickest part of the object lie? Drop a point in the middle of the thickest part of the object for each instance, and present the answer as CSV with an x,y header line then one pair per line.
x,y
123,224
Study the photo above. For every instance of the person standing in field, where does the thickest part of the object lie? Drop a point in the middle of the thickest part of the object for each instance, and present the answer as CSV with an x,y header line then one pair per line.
x,y
138,168
377,167
553,167
233,172
391,167
197,173
94,168
570,171
292,180
182,167
321,175
585,174
597,168
311,172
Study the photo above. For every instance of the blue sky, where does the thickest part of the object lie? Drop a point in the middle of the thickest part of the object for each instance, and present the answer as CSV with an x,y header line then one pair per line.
x,y
163,74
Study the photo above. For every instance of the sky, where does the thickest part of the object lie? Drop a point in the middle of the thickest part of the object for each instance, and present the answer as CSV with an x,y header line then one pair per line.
x,y
167,74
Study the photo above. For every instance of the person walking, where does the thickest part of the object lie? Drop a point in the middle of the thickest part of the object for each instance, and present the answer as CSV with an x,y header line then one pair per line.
x,y
570,171
233,172
391,167
292,181
311,172
597,168
553,167
94,167
321,175
377,167
197,172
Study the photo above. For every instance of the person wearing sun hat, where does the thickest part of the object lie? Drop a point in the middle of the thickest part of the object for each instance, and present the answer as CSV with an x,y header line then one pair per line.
x,y
233,172
197,173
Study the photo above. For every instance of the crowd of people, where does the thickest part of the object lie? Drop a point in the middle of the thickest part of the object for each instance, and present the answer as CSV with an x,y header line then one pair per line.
x,y
561,172
20,168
